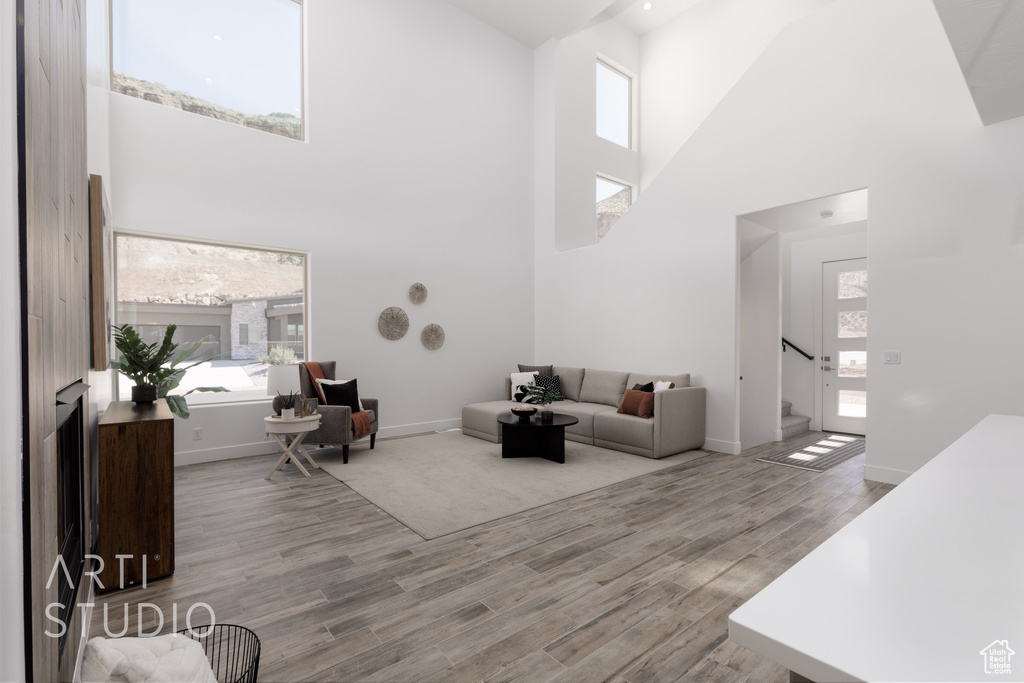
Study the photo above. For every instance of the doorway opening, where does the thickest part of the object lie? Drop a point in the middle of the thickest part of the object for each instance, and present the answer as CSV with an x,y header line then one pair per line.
x,y
784,388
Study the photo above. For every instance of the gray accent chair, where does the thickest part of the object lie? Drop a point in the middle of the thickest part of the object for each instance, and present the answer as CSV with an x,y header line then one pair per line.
x,y
336,421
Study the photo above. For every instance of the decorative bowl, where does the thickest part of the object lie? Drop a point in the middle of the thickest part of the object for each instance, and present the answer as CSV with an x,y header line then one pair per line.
x,y
524,412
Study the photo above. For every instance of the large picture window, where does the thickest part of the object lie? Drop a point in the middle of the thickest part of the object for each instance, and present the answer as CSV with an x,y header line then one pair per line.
x,y
246,304
234,60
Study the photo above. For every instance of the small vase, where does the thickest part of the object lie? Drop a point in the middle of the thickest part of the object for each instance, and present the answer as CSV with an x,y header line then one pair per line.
x,y
287,413
277,403
143,393
547,415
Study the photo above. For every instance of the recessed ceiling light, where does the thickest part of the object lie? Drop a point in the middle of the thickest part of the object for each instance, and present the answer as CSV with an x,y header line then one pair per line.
x,y
218,38
648,5
209,81
826,214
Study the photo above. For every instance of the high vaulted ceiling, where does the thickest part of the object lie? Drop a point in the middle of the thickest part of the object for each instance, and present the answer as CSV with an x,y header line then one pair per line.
x,y
534,22
987,36
988,39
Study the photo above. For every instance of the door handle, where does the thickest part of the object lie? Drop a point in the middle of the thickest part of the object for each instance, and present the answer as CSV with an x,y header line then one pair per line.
x,y
826,368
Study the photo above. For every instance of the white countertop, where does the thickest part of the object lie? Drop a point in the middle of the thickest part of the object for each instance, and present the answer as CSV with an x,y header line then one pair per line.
x,y
918,585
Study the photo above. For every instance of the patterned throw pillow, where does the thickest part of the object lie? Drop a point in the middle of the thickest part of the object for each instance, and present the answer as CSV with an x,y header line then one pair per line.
x,y
521,379
551,382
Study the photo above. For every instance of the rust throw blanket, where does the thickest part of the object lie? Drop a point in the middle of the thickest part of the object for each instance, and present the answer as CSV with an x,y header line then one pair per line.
x,y
361,424
315,373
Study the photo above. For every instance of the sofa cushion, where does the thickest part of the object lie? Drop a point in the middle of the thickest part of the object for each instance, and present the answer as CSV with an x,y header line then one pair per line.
x,y
541,369
664,386
585,413
615,428
643,378
481,419
644,387
636,402
603,386
571,380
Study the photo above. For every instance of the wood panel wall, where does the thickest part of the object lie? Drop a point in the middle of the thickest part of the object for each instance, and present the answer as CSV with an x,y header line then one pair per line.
x,y
55,326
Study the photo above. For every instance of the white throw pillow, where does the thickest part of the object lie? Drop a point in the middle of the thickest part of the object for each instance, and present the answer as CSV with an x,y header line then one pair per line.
x,y
519,378
662,386
339,381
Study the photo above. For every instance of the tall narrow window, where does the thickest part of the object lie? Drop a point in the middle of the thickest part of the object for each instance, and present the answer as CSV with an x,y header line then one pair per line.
x,y
246,305
613,198
614,105
233,60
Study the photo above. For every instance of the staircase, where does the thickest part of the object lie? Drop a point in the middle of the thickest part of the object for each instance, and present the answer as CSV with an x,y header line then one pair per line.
x,y
793,425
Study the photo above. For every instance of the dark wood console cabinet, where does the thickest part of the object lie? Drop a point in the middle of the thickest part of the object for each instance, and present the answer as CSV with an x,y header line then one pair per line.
x,y
136,493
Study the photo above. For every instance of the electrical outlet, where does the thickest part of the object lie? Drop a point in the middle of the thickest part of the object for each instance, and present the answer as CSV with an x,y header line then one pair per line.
x,y
197,434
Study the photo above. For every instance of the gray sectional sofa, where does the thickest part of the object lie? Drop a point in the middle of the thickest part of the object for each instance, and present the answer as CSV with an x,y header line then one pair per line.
x,y
593,397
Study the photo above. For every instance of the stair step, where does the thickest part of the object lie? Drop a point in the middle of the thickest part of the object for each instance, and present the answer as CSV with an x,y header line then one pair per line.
x,y
793,425
787,407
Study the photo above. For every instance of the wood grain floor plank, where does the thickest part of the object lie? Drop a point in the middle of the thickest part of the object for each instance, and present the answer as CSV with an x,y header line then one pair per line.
x,y
628,584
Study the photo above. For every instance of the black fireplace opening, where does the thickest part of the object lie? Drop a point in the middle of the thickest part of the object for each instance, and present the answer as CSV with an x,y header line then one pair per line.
x,y
69,485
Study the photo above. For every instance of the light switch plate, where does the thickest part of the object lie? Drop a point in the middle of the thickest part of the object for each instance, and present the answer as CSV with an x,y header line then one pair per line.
x,y
892,357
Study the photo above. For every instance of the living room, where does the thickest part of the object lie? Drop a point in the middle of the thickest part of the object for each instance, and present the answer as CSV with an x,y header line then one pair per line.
x,y
439,149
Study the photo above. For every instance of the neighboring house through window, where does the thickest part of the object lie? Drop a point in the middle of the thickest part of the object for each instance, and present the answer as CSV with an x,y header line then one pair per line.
x,y
247,304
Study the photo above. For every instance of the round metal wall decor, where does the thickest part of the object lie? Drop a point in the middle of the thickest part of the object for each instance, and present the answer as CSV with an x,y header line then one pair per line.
x,y
432,336
393,323
418,293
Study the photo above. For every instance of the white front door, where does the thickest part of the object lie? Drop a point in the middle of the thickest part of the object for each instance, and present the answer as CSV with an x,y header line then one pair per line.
x,y
844,344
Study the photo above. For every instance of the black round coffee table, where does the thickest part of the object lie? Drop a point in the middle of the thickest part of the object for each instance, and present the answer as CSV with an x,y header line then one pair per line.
x,y
536,438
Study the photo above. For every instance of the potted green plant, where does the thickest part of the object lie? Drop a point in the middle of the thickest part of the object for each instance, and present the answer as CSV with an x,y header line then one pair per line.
x,y
288,404
155,368
542,396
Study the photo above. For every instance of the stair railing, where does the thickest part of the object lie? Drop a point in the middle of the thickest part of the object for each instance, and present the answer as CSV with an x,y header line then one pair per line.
x,y
786,342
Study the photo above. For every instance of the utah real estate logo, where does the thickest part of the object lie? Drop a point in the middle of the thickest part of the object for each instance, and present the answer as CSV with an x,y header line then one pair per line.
x,y
997,657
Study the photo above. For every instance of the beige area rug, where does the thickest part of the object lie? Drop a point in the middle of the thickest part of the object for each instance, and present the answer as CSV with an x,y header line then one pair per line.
x,y
440,483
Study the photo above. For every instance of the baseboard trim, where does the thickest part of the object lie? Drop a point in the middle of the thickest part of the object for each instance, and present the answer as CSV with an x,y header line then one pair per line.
x,y
419,428
246,450
225,453
719,446
778,435
885,475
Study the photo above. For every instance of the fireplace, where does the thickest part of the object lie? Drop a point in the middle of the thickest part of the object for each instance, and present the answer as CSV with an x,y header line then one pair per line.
x,y
71,451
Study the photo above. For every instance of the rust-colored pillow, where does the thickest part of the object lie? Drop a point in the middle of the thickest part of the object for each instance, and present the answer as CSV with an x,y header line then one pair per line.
x,y
639,403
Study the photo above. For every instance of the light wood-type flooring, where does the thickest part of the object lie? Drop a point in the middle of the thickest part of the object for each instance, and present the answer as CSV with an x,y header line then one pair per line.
x,y
631,583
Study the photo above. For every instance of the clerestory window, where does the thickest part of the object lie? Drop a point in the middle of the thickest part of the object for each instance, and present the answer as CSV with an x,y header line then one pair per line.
x,y
613,198
614,105
233,60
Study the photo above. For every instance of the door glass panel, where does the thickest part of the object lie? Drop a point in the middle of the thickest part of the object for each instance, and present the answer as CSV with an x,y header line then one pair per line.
x,y
853,403
853,324
853,364
853,284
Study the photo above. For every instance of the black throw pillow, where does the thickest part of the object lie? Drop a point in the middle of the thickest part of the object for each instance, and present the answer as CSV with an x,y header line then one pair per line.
x,y
644,387
346,394
551,382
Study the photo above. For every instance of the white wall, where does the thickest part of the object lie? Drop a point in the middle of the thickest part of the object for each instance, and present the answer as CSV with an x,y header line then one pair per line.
x,y
579,153
860,93
760,361
12,631
417,168
690,63
803,254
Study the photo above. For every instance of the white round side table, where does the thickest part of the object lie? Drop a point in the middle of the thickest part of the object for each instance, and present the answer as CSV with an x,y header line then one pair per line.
x,y
298,428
